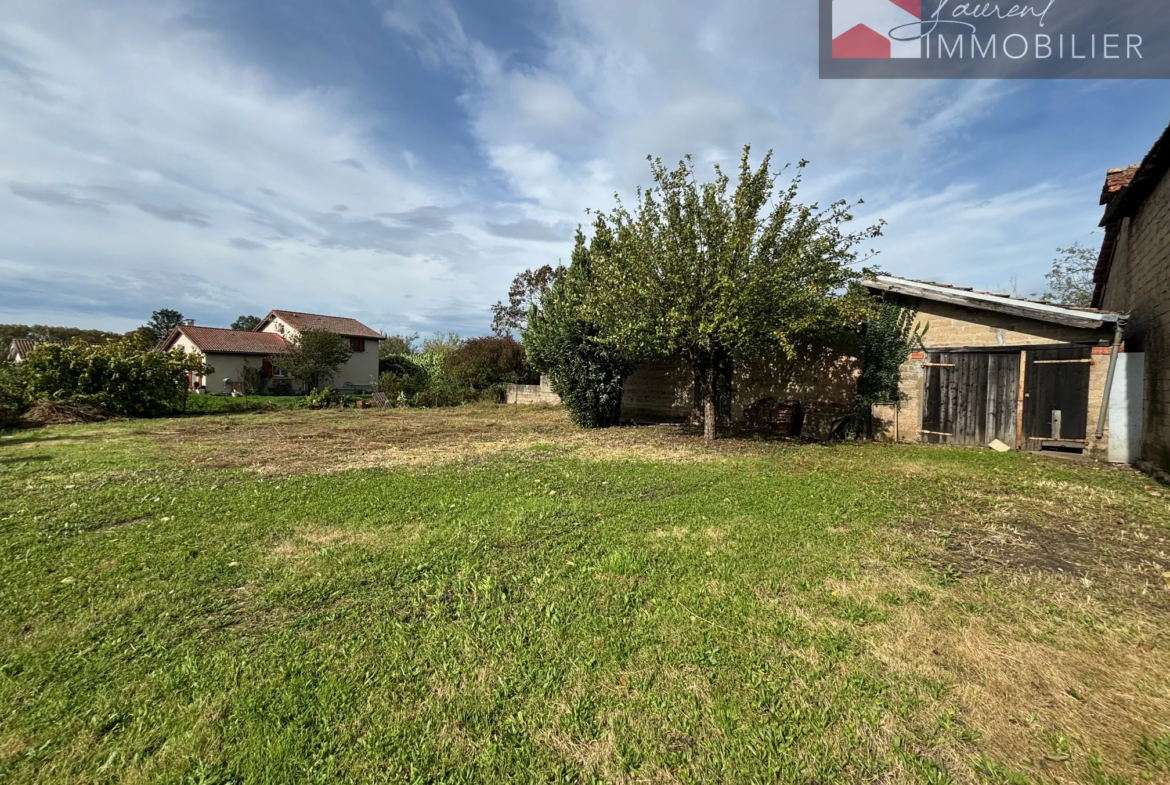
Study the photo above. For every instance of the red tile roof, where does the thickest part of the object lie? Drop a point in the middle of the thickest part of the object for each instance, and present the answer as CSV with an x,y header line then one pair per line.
x,y
350,328
1125,202
1115,180
21,346
218,340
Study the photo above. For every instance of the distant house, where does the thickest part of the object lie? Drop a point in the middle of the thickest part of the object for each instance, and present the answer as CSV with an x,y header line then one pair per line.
x,y
20,347
1133,275
228,352
1031,374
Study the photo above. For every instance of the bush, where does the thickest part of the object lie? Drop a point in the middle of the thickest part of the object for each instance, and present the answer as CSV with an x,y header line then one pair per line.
x,y
123,377
404,368
325,399
482,362
561,341
226,404
12,400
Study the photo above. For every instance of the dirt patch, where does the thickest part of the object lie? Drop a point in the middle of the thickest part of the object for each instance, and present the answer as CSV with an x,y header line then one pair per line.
x,y
1125,558
301,442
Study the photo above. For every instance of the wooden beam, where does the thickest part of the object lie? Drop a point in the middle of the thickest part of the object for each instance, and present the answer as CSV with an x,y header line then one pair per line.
x,y
938,365
1058,362
1020,401
956,297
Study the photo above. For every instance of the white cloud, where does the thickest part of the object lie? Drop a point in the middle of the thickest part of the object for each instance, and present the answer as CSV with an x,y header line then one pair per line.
x,y
141,167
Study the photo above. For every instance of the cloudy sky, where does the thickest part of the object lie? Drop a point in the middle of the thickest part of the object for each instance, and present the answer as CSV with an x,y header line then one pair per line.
x,y
400,160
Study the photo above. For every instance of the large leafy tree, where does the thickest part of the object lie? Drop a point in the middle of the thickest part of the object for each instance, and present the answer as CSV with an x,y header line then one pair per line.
x,y
246,322
560,340
526,290
717,274
161,323
313,357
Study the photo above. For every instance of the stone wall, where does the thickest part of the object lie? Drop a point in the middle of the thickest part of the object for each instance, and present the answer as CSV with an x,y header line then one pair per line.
x,y
955,327
1139,283
823,379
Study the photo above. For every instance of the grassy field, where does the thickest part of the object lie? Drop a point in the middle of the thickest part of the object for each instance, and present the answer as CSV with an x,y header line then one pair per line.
x,y
485,594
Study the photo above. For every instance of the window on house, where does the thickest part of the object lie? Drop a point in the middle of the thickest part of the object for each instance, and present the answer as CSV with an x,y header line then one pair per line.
x,y
357,344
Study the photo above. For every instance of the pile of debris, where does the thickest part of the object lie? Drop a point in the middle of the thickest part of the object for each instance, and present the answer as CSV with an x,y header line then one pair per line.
x,y
65,413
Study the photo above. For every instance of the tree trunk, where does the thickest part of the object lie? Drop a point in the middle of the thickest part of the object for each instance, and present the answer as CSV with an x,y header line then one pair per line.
x,y
709,390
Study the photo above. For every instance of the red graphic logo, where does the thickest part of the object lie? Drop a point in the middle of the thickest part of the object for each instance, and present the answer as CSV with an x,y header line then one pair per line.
x,y
872,28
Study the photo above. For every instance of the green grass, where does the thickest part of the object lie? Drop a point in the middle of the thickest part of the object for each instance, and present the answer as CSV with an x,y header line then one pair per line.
x,y
530,616
225,404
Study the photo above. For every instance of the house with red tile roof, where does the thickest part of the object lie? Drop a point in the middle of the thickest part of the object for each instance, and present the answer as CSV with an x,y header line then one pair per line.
x,y
229,352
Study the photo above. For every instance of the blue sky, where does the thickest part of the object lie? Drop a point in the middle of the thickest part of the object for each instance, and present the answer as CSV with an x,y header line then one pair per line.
x,y
399,161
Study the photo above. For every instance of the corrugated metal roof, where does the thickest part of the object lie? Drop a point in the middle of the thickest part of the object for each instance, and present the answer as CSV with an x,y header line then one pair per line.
x,y
1034,309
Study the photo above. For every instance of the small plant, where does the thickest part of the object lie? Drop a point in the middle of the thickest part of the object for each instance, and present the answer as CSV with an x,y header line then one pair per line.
x,y
322,399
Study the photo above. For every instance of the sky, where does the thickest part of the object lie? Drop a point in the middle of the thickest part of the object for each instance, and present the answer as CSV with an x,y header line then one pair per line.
x,y
399,161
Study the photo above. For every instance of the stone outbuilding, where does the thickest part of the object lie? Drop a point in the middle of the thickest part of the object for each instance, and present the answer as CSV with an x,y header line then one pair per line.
x,y
1133,275
1028,373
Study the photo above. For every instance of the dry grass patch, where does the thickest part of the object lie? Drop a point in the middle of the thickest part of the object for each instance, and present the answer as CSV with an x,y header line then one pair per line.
x,y
298,442
316,539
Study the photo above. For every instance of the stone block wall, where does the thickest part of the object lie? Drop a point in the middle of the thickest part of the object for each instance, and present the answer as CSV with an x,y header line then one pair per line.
x,y
532,393
1139,283
823,379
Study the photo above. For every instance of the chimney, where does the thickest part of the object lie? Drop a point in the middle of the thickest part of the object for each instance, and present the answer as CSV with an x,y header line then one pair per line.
x,y
189,322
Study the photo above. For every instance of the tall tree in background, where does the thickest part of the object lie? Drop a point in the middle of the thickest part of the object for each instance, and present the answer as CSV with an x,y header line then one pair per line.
x,y
313,357
245,323
161,323
1070,282
397,345
526,289
717,275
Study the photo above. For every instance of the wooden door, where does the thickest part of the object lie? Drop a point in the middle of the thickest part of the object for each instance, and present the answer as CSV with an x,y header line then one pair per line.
x,y
1056,380
1003,393
970,397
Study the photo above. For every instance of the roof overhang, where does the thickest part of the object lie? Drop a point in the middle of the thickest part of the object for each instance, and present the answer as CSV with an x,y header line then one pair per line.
x,y
1057,314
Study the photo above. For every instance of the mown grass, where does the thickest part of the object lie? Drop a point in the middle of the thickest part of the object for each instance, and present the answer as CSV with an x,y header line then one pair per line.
x,y
547,611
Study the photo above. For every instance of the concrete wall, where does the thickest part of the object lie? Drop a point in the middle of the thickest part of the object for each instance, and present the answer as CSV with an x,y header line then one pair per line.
x,y
360,369
532,393
956,327
1139,283
823,379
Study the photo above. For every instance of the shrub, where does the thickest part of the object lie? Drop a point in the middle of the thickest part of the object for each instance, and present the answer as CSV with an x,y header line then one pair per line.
x,y
324,399
883,344
403,367
561,341
123,377
482,362
253,378
12,399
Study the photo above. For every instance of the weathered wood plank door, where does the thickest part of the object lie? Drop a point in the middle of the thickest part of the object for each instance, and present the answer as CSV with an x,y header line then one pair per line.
x,y
1056,380
1003,390
970,398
